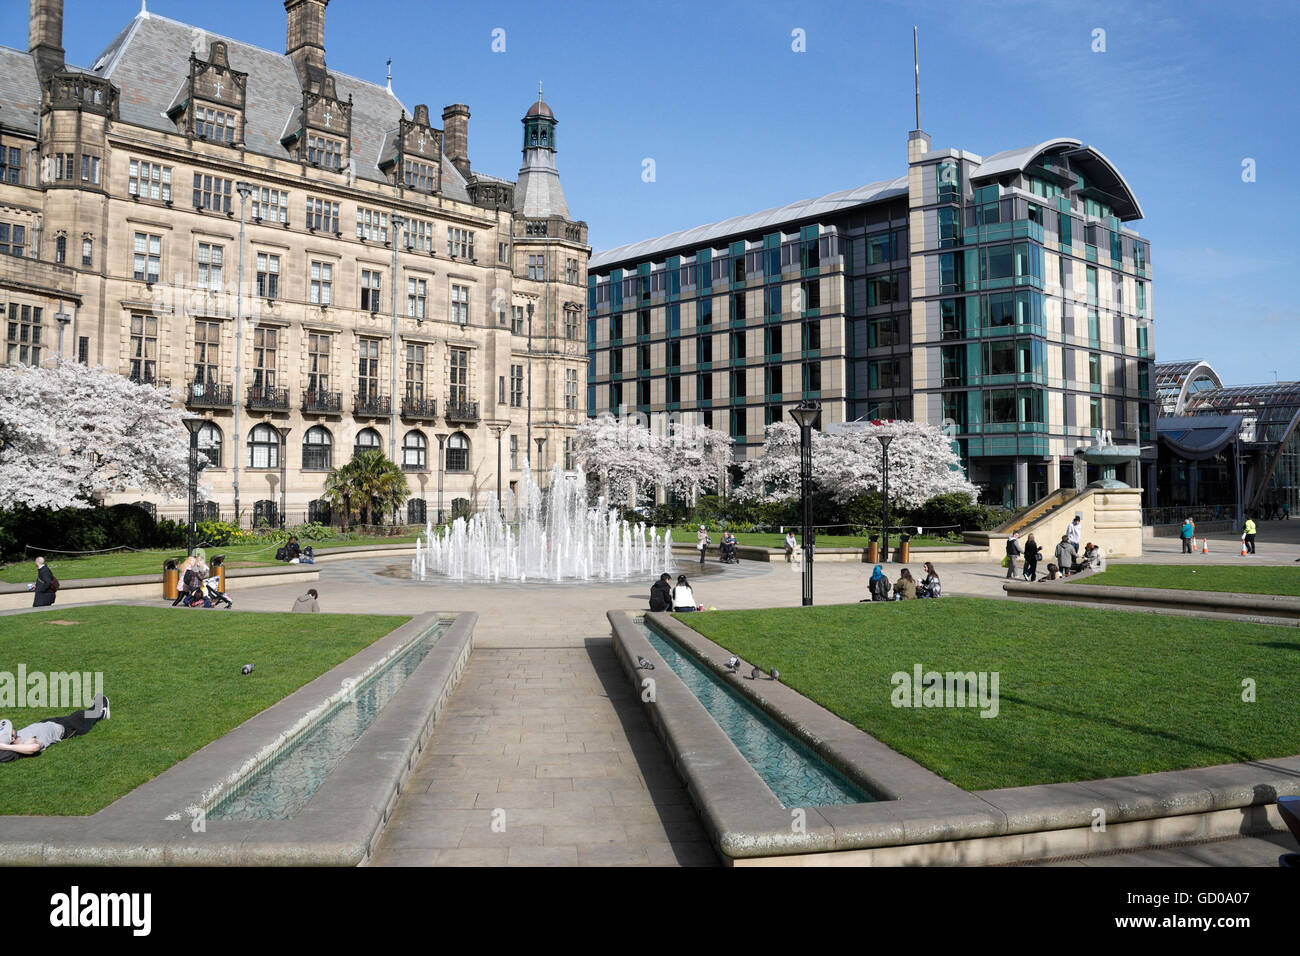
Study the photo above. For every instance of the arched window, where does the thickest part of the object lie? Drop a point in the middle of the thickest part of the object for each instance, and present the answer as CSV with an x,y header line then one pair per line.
x,y
457,452
416,512
317,449
210,444
263,447
415,451
61,250
367,440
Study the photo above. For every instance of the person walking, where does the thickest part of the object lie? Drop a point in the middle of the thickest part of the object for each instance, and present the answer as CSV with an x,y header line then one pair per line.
x,y
1188,533
1013,551
683,596
791,546
701,542
878,586
1033,551
1075,532
1250,535
45,586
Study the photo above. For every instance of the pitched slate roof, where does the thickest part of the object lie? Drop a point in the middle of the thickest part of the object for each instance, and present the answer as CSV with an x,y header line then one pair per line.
x,y
20,91
150,57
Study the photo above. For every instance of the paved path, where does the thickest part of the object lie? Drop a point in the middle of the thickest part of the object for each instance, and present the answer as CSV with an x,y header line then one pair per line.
x,y
1257,851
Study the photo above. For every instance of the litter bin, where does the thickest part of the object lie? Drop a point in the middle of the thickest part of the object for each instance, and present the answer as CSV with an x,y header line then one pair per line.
x,y
873,552
219,566
904,549
170,576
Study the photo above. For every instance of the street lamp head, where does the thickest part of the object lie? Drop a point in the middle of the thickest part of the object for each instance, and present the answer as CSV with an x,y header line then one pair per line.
x,y
805,414
530,310
194,424
244,189
884,441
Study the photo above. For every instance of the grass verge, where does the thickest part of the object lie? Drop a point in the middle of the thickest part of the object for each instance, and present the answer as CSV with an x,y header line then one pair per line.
x,y
1207,577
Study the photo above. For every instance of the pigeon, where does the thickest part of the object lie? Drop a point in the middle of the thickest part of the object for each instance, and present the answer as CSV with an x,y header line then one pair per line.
x,y
775,674
753,675
644,664
246,669
733,664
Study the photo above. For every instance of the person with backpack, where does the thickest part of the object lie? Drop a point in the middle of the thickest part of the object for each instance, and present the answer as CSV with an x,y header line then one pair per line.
x,y
1013,550
46,585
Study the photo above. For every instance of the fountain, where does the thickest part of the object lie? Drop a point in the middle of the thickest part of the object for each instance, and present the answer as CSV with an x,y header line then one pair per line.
x,y
554,535
1104,452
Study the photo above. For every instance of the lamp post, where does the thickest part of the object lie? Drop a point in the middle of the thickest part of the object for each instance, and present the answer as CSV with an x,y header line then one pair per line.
x,y
245,190
529,437
540,466
805,414
498,428
397,223
193,425
884,473
63,318
284,459
442,467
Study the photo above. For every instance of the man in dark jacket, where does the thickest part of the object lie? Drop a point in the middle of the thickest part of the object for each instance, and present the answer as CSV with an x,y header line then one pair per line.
x,y
44,586
661,593
1067,558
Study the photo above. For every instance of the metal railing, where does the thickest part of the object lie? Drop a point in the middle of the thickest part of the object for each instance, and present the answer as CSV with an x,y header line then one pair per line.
x,y
209,395
462,411
372,405
419,407
265,398
322,402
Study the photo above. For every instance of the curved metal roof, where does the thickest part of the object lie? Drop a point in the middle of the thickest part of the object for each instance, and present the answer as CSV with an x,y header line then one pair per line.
x,y
737,226
1177,382
1099,171
1014,160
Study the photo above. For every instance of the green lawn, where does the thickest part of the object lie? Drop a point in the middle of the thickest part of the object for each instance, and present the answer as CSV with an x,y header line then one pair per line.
x,y
761,540
1083,693
1207,577
173,677
122,563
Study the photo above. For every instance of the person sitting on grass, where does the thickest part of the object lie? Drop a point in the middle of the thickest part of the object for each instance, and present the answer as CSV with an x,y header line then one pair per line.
x,y
307,602
291,550
32,739
1053,573
878,585
930,587
1094,557
905,586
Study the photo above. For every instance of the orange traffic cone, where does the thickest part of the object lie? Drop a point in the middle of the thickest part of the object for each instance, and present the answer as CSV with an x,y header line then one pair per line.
x,y
1205,545
1243,545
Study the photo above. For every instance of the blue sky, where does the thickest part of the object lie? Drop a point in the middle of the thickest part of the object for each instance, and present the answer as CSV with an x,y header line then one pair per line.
x,y
736,120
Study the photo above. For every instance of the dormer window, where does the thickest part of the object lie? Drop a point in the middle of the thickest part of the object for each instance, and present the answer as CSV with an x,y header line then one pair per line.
x,y
420,176
216,125
324,152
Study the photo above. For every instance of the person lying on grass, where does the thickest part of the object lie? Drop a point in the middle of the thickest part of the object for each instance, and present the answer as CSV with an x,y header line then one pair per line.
x,y
32,739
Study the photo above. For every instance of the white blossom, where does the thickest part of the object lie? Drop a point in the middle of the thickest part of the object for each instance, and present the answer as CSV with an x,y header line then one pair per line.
x,y
631,459
922,464
70,433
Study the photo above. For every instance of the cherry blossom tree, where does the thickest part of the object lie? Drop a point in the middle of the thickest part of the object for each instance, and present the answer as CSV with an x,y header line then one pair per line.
x,y
632,459
922,464
70,433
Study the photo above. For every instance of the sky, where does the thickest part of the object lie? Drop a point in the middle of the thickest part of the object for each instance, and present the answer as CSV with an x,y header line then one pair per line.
x,y
742,106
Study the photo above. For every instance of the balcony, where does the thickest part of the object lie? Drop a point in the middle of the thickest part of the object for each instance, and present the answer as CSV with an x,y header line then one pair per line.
x,y
209,395
322,403
267,399
462,412
369,405
425,408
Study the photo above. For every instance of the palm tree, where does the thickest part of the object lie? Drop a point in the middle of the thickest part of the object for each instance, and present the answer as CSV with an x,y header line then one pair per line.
x,y
372,482
339,491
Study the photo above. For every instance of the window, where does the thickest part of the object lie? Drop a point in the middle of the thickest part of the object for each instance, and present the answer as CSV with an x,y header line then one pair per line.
x,y
317,449
417,293
571,388
87,251
737,383
415,452
503,252
420,176
568,453
460,304
23,342
416,511
571,271
268,276
11,164
459,377
772,341
517,319
1142,299
148,256
704,348
643,358
736,307
263,447
1094,413
571,324
149,181
812,336
419,235
210,444
516,386
144,348
884,332
884,373
415,372
457,452
367,440
83,349
324,152
65,166
737,345
952,272
372,225
210,262
322,283
949,227
501,389
322,215
812,376
703,387
212,192
737,423
514,452
264,357
368,368
61,250
270,205
371,283
12,239
1092,284
704,312
460,243
214,124
1094,370
952,363
952,318
89,169
318,362
772,383
207,353
882,289
811,290
537,267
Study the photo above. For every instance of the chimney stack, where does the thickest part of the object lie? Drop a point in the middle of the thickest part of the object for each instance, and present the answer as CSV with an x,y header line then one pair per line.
x,y
45,35
455,136
305,39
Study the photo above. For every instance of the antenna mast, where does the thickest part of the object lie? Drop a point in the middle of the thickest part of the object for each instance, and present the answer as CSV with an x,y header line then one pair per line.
x,y
916,65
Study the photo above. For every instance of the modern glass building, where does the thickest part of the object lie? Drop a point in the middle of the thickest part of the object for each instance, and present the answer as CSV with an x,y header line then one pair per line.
x,y
1003,296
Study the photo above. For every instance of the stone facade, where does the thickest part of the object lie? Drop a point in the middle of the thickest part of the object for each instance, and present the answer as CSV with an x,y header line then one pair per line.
x,y
141,188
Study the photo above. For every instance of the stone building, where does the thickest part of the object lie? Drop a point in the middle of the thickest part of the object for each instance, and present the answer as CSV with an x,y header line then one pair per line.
x,y
312,267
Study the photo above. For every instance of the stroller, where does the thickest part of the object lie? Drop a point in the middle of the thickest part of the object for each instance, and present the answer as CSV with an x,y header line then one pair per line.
x,y
213,595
